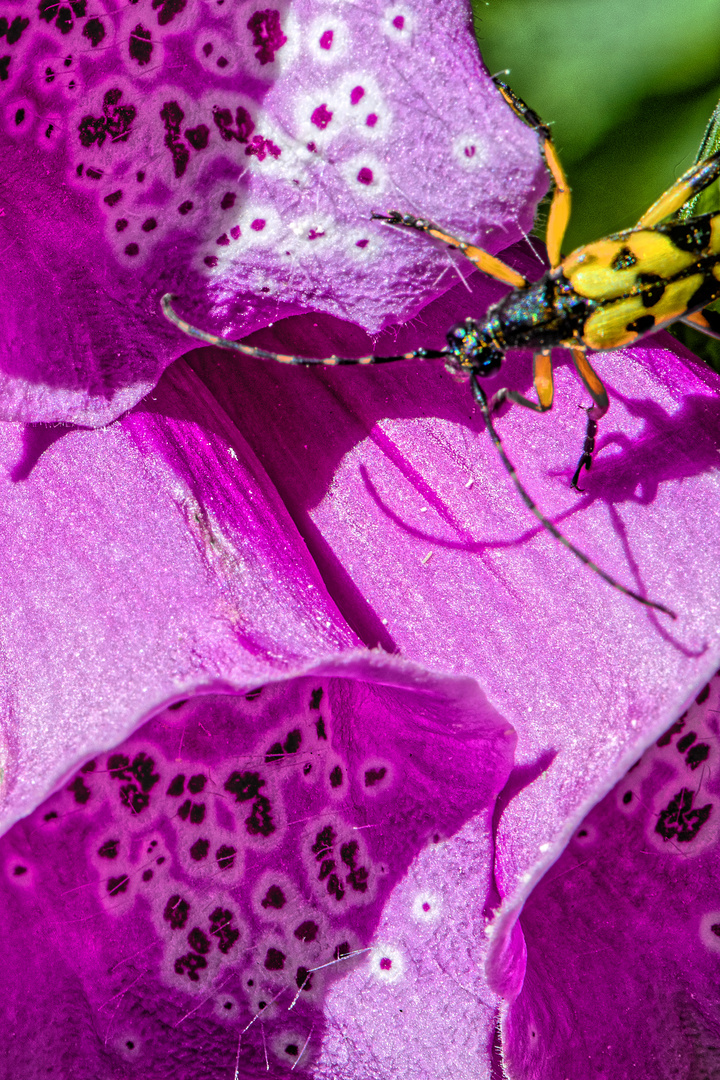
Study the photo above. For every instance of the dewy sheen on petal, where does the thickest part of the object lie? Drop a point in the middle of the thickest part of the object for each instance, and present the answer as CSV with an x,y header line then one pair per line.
x,y
232,154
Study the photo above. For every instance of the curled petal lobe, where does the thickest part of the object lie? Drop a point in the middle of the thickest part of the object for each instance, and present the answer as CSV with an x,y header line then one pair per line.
x,y
147,141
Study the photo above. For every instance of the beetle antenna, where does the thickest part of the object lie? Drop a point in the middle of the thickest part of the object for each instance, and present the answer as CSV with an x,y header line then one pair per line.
x,y
481,399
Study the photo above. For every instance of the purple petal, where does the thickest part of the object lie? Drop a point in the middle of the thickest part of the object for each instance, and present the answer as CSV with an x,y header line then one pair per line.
x,y
428,551
623,934
233,155
141,563
292,874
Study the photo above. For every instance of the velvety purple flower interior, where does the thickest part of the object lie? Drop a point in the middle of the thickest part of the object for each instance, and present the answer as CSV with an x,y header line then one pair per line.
x,y
623,934
234,155
187,902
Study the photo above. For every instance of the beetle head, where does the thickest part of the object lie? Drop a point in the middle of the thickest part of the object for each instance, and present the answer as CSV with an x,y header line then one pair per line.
x,y
473,349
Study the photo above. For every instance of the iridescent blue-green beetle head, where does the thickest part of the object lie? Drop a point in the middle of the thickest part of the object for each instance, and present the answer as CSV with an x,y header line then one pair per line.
x,y
473,349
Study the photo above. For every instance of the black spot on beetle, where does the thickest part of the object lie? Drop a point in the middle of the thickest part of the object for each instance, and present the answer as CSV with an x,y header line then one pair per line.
x,y
641,325
624,259
653,287
693,236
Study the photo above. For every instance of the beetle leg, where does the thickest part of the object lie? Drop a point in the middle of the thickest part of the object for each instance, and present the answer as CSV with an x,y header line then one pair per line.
x,y
707,321
691,183
560,206
543,380
495,268
595,412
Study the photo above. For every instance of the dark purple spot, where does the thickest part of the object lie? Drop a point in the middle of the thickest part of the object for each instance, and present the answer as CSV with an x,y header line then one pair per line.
x,y
469,151
253,695
267,34
341,950
149,224
225,856
320,729
426,906
114,198
18,871
117,885
371,120
260,821
674,730
274,898
261,147
235,232
385,963
336,777
244,785
627,797
147,876
365,176
172,115
323,842
221,929
307,769
357,879
49,130
335,887
356,94
292,1049
199,941
374,776
207,48
321,117
361,243
141,46
109,850
716,929
197,814
198,137
210,260
227,200
199,850
274,960
222,62
679,820
15,29
399,22
315,235
51,816
258,224
185,208
223,240
168,10
348,853
140,176
176,912
190,965
698,754
303,979
686,741
274,753
583,832
312,147
703,695
94,31
80,790
177,784
20,116
184,810
90,766
244,124
197,783
294,738
326,39
115,123
307,931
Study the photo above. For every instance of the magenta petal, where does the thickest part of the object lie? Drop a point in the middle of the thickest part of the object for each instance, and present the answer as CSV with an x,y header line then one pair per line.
x,y
291,878
141,563
427,550
623,933
234,155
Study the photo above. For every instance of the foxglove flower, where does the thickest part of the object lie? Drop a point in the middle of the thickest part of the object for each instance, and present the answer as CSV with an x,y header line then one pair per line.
x,y
325,876
231,153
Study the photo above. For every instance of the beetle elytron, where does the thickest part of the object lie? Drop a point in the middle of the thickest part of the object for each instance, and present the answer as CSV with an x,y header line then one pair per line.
x,y
602,296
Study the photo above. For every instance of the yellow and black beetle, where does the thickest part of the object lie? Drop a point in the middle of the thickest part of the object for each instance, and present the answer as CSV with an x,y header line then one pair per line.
x,y
602,296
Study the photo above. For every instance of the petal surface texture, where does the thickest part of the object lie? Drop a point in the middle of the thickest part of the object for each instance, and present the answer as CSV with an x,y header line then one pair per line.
x,y
232,154
623,934
288,879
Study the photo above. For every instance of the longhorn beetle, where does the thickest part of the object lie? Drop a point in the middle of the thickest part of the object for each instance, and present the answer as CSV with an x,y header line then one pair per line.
x,y
602,296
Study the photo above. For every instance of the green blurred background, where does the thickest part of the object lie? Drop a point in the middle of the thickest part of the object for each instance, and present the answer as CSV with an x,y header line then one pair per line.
x,y
628,87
